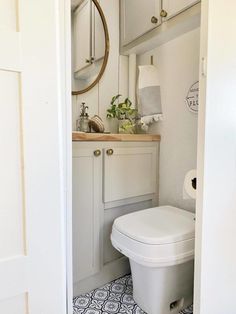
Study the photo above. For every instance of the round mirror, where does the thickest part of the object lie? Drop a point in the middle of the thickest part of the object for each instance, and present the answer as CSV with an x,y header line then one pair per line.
x,y
90,44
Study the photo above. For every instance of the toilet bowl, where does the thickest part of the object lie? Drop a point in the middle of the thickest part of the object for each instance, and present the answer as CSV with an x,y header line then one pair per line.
x,y
159,243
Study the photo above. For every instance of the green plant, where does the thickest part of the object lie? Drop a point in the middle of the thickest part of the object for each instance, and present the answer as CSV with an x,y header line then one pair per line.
x,y
121,110
127,127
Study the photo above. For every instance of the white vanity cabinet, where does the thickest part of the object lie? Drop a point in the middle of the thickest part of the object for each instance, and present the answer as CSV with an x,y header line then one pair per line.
x,y
138,17
110,179
173,7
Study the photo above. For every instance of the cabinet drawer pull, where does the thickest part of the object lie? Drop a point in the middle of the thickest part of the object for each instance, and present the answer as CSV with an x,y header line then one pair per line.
x,y
97,153
154,20
163,13
110,152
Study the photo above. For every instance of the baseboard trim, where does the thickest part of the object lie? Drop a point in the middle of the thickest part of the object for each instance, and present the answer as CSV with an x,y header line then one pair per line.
x,y
109,272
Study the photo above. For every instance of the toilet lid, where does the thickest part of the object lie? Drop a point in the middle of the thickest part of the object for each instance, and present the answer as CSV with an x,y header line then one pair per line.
x,y
158,225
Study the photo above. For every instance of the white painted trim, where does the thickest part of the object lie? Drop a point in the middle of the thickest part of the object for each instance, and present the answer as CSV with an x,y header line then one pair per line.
x,y
215,272
66,108
200,157
110,271
127,201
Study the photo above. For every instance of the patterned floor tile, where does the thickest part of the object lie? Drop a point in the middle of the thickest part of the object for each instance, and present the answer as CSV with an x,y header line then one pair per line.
x,y
113,298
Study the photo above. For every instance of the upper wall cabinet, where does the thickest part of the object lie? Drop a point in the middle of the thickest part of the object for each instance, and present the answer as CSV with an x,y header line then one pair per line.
x,y
148,24
82,36
138,17
173,7
89,39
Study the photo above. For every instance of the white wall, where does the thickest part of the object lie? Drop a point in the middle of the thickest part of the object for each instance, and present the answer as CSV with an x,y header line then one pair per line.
x,y
215,276
98,99
178,64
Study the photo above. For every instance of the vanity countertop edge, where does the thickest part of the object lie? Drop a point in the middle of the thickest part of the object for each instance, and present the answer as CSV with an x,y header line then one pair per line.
x,y
109,137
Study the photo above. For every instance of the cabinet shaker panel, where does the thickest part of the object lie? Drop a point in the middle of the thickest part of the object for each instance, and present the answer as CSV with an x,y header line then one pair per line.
x,y
129,172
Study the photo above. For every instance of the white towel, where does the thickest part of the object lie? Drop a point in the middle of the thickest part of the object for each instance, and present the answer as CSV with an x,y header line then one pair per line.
x,y
149,94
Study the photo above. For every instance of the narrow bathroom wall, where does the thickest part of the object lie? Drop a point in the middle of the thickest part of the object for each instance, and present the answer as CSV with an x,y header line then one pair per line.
x,y
178,63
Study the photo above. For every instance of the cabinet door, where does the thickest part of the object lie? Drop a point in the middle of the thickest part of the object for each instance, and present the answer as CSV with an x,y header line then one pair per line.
x,y
129,172
173,7
87,212
138,17
82,35
98,36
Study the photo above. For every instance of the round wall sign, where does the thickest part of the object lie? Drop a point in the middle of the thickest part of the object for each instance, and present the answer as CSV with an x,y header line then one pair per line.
x,y
192,97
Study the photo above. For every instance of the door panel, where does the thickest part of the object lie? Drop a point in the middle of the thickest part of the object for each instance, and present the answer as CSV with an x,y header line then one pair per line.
x,y
87,213
173,7
15,305
136,18
98,36
12,238
129,172
82,35
8,15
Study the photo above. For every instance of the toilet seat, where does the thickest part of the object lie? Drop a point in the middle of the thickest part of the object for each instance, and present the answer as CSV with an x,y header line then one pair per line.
x,y
156,237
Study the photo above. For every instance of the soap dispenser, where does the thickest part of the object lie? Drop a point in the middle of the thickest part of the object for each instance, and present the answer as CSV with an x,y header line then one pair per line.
x,y
83,121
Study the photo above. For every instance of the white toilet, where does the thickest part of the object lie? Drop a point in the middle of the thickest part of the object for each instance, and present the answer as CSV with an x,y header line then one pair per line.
x,y
159,243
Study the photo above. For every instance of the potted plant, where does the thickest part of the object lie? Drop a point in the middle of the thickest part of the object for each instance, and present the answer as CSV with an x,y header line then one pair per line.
x,y
124,113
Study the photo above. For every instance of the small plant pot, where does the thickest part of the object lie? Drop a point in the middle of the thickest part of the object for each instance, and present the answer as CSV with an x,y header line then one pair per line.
x,y
126,126
113,125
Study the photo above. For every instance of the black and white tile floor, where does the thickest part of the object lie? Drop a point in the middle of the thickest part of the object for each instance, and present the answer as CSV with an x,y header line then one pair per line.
x,y
113,298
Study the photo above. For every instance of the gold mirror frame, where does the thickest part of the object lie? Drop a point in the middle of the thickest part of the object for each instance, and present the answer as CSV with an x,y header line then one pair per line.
x,y
107,49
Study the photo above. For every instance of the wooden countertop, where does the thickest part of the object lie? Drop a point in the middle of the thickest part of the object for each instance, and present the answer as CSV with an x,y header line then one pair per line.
x,y
104,137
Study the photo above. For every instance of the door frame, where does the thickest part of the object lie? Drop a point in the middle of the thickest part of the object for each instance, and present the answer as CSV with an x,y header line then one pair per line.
x,y
64,21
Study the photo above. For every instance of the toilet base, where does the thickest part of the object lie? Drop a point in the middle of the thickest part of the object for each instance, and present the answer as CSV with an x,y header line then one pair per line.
x,y
163,290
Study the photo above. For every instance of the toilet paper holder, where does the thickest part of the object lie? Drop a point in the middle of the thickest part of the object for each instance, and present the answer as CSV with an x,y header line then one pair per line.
x,y
190,185
194,183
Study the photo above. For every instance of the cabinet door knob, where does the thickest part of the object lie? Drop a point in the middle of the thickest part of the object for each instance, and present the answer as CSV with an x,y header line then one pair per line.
x,y
88,60
163,13
154,20
97,153
110,152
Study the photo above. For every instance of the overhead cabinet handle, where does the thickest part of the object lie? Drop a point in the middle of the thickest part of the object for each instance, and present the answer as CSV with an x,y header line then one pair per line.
x,y
154,20
163,13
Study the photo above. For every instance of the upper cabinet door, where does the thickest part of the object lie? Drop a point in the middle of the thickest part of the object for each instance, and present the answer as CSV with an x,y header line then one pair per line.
x,y
173,7
138,17
82,35
99,45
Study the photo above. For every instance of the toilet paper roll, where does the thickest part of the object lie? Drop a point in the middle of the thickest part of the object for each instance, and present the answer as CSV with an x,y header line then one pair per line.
x,y
190,184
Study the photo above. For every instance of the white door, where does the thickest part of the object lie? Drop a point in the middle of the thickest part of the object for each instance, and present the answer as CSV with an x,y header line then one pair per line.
x,y
173,7
138,17
32,276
